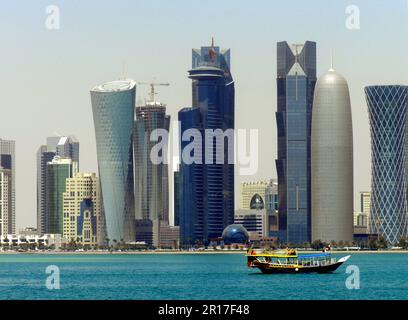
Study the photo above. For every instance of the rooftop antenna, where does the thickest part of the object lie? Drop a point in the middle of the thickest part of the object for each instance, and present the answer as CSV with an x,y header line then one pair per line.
x,y
211,51
331,60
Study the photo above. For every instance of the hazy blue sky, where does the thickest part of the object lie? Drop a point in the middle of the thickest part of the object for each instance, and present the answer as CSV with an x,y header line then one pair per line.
x,y
45,76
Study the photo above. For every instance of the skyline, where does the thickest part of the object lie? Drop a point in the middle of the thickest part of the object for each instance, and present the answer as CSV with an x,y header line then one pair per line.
x,y
63,65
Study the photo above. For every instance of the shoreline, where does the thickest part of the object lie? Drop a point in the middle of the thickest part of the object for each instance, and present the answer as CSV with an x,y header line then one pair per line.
x,y
187,252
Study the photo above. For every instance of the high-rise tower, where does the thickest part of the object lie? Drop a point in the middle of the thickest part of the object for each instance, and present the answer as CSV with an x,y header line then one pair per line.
x,y
296,79
63,146
151,171
332,160
8,162
5,201
207,188
58,171
387,109
113,108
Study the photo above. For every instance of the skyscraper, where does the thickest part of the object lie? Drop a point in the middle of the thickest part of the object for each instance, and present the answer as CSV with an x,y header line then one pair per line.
x,y
113,108
58,171
82,209
387,109
332,160
176,202
8,159
151,175
5,201
207,188
63,146
365,206
296,79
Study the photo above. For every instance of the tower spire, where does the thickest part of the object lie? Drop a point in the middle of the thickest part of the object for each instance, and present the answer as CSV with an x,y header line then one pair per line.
x,y
331,60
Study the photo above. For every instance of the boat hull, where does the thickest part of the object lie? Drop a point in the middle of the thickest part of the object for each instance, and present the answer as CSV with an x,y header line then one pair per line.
x,y
268,269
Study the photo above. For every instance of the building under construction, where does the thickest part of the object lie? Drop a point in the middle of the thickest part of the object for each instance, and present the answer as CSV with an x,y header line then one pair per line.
x,y
151,177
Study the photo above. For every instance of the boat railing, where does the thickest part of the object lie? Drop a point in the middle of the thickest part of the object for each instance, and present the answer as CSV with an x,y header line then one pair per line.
x,y
300,262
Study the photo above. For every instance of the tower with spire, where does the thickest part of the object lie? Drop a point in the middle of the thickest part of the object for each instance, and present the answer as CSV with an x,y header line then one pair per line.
x,y
332,159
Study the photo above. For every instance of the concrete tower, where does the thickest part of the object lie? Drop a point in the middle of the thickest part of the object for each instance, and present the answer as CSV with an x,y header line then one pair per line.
x,y
332,160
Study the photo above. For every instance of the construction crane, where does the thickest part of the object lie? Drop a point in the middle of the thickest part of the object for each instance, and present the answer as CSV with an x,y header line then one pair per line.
x,y
152,85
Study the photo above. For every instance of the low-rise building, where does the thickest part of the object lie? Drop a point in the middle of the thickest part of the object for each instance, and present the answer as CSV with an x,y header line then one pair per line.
x,y
55,240
254,221
169,236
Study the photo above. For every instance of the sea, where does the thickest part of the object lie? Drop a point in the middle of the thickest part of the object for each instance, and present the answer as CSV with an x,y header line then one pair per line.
x,y
194,276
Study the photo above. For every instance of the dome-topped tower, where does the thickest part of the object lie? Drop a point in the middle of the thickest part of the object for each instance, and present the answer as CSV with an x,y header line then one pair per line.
x,y
332,160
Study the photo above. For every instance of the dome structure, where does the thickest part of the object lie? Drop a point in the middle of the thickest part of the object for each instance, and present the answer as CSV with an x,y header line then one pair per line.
x,y
235,233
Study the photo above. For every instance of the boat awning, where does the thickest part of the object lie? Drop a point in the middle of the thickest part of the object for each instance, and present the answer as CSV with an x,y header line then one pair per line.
x,y
314,255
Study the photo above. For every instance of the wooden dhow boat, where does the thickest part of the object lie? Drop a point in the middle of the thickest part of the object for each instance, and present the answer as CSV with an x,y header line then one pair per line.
x,y
289,261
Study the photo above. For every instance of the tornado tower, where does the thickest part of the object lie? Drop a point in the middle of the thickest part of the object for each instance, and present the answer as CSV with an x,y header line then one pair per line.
x,y
332,160
388,114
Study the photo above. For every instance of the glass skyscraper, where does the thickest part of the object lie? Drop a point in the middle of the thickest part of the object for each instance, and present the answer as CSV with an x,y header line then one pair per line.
x,y
387,108
113,107
296,79
207,188
151,178
64,146
58,171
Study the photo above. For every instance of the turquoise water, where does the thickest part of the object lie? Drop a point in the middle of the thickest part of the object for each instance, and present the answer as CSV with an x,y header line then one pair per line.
x,y
213,276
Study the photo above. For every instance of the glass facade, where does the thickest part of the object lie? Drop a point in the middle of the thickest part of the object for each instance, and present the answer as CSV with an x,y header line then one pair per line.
x,y
387,107
113,108
58,171
207,190
176,183
66,147
87,223
296,66
235,233
151,179
82,209
257,202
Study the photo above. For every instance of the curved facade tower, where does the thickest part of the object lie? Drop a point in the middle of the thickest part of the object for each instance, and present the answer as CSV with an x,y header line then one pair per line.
x,y
332,160
387,108
113,106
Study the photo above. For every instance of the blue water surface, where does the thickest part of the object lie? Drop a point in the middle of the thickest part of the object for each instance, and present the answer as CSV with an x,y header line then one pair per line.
x,y
187,276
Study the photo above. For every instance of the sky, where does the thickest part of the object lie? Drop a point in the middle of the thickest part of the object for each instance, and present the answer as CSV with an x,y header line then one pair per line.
x,y
46,75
